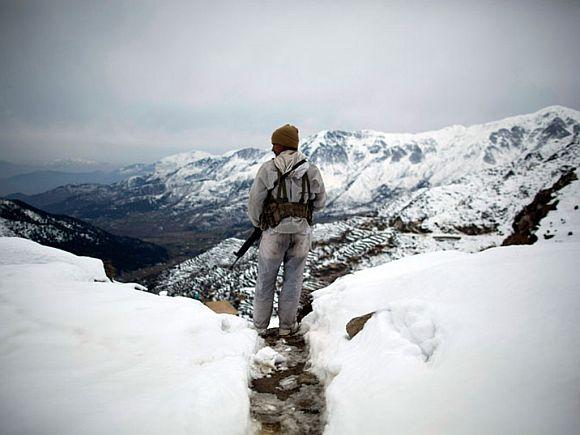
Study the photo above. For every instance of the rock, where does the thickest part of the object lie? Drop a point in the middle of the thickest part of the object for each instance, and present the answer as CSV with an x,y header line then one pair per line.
x,y
307,378
289,383
221,307
354,326
414,227
474,230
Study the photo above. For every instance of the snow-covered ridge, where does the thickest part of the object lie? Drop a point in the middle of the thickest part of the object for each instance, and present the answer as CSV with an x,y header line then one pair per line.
x,y
171,163
529,119
366,166
81,354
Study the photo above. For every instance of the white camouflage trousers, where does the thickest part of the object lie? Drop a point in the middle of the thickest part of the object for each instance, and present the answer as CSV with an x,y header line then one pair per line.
x,y
275,249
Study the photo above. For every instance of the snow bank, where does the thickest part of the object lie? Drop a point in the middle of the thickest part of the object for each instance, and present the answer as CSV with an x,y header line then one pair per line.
x,y
79,356
461,343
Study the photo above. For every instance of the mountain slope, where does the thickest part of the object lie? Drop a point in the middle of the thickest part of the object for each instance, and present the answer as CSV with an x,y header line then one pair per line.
x,y
63,232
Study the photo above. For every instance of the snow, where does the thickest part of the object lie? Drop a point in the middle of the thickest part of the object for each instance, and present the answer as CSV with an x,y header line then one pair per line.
x,y
460,343
24,222
171,163
81,354
265,361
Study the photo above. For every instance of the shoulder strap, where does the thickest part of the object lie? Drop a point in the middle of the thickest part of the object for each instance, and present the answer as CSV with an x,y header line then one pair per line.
x,y
305,196
282,177
279,195
282,192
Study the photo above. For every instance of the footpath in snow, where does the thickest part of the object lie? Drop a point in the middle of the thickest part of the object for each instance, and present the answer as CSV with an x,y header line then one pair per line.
x,y
286,398
82,355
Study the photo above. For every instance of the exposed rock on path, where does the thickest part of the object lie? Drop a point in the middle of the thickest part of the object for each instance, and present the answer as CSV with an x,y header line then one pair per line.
x,y
286,398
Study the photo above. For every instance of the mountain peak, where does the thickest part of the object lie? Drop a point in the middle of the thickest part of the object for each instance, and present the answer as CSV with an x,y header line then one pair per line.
x,y
559,110
246,153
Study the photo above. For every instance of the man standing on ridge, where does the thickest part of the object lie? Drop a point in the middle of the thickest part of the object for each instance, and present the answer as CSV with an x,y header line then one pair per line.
x,y
286,191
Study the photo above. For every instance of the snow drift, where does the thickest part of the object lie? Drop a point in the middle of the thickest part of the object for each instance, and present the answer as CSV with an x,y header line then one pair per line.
x,y
460,343
80,354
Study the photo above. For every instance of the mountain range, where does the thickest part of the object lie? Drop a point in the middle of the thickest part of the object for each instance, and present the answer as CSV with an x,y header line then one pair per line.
x,y
21,180
193,200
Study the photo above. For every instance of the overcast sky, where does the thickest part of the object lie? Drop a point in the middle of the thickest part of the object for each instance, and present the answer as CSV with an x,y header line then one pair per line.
x,y
128,81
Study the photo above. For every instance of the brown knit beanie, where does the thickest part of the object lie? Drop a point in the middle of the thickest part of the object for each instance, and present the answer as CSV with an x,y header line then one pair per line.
x,y
286,136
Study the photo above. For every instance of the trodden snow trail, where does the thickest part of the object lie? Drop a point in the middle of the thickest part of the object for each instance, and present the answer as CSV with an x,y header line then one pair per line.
x,y
285,398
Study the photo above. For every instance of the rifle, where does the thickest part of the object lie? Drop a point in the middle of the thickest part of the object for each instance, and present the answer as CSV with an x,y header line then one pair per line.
x,y
256,234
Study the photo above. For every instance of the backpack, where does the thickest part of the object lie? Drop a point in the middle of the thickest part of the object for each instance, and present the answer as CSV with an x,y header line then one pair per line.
x,y
277,208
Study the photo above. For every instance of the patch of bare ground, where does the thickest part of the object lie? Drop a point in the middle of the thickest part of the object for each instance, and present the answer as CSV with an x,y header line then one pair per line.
x,y
527,220
289,400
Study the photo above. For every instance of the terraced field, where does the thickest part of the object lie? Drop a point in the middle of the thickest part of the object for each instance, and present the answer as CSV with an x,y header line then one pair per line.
x,y
337,249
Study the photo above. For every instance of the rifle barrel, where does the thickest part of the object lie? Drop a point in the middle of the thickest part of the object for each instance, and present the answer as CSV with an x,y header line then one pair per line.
x,y
256,234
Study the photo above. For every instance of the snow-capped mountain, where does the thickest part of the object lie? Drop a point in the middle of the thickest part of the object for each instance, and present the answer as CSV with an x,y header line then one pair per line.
x,y
365,168
365,171
18,219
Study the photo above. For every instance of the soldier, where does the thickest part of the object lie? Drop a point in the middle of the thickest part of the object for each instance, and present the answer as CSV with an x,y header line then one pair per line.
x,y
286,191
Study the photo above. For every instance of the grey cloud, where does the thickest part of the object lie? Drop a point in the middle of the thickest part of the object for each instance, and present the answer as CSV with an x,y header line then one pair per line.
x,y
79,77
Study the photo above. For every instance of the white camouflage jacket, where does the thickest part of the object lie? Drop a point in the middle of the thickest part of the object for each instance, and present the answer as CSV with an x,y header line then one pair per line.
x,y
265,179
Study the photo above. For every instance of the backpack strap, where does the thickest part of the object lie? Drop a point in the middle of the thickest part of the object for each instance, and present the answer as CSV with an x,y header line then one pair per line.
x,y
300,163
280,182
305,196
282,195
